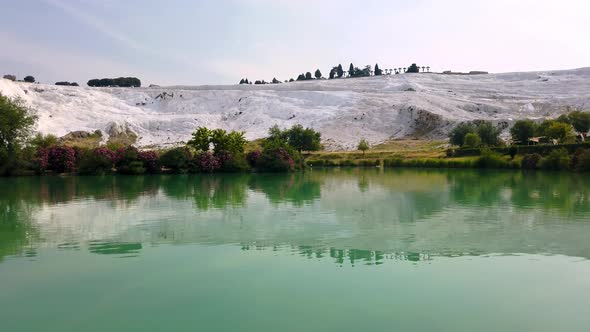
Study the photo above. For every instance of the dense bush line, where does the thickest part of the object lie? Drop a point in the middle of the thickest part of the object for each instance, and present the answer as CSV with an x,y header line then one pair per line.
x,y
119,82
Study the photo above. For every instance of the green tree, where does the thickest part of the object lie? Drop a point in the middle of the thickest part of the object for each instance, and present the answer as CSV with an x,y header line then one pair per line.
x,y
457,134
303,139
201,139
363,146
16,126
580,121
522,130
29,79
413,69
560,131
472,140
339,71
318,74
489,134
308,76
378,71
351,70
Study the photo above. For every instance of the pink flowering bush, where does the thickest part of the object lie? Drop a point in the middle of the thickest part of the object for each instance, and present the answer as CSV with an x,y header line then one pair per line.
x,y
253,158
41,160
207,162
150,161
60,159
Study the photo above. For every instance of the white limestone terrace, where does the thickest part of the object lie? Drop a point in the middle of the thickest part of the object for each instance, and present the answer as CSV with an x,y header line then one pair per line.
x,y
424,105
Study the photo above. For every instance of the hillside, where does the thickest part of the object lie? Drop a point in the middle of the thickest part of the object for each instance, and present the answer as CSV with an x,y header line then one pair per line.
x,y
344,110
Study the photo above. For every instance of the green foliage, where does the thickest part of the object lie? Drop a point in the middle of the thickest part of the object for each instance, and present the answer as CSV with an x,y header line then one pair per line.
x,y
512,151
178,160
531,161
413,69
580,121
339,71
308,76
560,131
556,160
222,141
16,126
378,71
94,162
522,130
457,135
472,140
43,141
318,74
490,159
583,161
201,139
128,161
303,139
29,79
489,134
276,157
120,82
363,146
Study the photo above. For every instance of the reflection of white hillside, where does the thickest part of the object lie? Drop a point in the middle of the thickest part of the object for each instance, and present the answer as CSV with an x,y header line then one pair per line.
x,y
361,210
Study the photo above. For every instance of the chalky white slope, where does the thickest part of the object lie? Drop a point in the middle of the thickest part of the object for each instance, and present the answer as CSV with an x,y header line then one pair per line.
x,y
343,110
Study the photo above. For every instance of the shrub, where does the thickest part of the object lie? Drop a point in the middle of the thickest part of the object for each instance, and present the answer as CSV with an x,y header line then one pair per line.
x,y
29,79
61,159
556,160
207,162
472,140
276,160
121,81
253,157
530,161
583,161
490,159
128,161
457,135
512,151
10,77
230,162
150,161
178,160
99,161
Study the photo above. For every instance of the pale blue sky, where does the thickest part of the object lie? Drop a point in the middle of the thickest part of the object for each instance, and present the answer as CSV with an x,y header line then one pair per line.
x,y
218,42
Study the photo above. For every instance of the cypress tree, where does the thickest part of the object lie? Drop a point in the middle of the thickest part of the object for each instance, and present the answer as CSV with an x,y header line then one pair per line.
x,y
339,71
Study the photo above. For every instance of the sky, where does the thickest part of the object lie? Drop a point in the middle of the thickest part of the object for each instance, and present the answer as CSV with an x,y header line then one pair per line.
x,y
196,42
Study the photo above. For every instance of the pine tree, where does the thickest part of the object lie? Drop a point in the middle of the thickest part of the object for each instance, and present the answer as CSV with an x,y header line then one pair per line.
x,y
351,70
308,76
318,74
242,81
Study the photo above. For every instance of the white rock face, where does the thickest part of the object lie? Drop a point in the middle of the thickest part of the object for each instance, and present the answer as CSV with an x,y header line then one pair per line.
x,y
343,110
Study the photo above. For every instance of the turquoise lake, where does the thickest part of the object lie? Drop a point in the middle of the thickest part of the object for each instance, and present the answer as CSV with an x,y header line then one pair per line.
x,y
324,250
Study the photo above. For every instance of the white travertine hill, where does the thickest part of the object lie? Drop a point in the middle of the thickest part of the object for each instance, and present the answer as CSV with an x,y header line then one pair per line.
x,y
343,110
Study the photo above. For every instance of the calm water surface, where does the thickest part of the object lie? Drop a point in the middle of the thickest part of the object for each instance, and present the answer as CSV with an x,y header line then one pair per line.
x,y
338,250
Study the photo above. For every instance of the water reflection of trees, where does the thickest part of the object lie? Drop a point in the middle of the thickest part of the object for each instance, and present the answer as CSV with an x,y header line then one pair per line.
x,y
387,207
208,191
350,257
565,193
297,188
